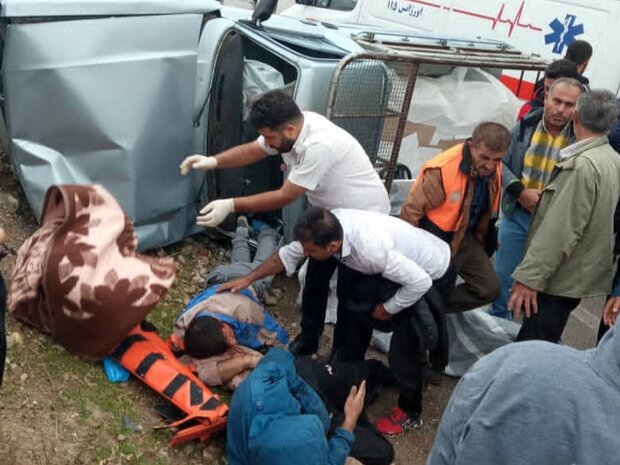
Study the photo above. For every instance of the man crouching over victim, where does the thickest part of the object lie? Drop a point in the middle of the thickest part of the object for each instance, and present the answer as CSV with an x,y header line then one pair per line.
x,y
398,264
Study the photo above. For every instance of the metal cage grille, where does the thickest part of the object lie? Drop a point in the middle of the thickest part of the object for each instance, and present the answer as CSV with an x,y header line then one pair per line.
x,y
371,94
371,100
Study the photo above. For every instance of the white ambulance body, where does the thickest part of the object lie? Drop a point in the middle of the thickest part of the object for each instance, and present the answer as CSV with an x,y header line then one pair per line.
x,y
544,27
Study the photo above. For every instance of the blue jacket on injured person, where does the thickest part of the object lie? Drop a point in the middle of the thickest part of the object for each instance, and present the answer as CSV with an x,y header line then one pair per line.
x,y
275,418
253,326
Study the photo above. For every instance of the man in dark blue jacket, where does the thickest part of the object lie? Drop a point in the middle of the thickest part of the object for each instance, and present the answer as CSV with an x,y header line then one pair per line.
x,y
557,69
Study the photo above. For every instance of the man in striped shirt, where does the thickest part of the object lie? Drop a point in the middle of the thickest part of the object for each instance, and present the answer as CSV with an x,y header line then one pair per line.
x,y
534,150
542,155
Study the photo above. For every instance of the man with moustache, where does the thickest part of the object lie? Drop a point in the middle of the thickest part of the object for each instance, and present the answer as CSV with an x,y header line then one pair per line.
x,y
535,145
562,68
456,197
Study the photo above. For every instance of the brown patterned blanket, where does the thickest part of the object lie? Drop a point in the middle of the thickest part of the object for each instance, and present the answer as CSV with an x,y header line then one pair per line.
x,y
79,278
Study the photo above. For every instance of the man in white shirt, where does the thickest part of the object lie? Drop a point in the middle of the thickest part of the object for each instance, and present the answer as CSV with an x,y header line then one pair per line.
x,y
395,254
324,162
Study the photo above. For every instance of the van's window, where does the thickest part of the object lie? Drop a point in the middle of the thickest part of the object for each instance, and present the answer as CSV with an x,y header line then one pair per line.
x,y
315,47
341,5
244,70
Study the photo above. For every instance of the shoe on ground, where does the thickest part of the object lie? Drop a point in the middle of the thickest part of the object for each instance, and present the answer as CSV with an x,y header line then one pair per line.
x,y
303,346
397,423
431,376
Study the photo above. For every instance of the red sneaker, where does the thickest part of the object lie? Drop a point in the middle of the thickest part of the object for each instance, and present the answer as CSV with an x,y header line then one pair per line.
x,y
397,423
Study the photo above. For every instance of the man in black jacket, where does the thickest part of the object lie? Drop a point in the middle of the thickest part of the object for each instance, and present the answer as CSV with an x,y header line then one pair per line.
x,y
580,52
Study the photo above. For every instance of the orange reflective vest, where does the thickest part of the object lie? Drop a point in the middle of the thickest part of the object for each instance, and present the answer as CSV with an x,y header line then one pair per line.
x,y
449,215
150,359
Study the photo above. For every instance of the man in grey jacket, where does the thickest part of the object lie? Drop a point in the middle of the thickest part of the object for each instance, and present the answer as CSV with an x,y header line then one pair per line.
x,y
535,403
569,251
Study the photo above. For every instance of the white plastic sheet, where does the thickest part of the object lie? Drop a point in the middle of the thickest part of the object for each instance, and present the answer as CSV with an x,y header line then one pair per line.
x,y
258,78
448,108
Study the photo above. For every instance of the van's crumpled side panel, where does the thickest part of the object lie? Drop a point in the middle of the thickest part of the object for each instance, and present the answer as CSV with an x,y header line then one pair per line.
x,y
48,8
107,101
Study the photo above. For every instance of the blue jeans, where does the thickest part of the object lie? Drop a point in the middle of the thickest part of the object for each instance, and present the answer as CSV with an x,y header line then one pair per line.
x,y
241,262
511,237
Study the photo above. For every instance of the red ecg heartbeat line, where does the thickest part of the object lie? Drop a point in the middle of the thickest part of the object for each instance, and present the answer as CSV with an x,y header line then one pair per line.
x,y
497,19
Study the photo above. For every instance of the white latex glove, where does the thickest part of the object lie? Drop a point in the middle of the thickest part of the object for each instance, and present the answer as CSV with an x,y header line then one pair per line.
x,y
215,212
198,162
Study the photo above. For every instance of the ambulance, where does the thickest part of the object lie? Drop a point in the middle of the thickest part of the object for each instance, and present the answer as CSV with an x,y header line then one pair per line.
x,y
543,27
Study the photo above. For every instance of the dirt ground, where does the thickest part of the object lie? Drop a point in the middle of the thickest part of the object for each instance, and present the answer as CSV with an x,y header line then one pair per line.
x,y
57,409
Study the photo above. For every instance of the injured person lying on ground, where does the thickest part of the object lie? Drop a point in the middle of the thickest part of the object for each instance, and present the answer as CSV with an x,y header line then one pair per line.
x,y
233,364
221,334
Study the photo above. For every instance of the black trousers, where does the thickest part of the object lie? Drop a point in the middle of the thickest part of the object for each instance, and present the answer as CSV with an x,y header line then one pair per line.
x,y
548,324
314,297
413,332
369,447
333,384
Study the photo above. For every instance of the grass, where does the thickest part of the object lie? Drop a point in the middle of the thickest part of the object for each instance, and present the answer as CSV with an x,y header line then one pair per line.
x,y
75,415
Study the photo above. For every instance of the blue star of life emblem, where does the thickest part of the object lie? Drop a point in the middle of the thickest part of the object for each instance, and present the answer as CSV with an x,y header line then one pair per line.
x,y
563,33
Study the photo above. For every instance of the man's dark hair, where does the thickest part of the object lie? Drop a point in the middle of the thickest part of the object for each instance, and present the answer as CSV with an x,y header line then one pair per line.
x,y
579,51
597,111
319,226
274,109
494,135
204,337
561,68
